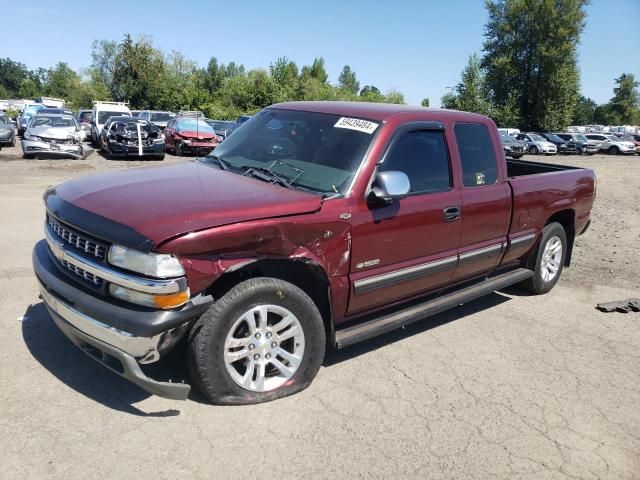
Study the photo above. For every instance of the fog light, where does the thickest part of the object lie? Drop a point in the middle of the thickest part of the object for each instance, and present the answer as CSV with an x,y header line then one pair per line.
x,y
163,302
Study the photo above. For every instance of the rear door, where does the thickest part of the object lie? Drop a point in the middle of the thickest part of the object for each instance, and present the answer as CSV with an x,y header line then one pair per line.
x,y
408,247
486,200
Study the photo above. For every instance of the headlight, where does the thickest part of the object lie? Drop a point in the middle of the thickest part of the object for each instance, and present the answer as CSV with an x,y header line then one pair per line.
x,y
164,302
158,265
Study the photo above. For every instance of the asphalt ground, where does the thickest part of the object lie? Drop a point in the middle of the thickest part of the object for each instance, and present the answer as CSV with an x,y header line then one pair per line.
x,y
508,386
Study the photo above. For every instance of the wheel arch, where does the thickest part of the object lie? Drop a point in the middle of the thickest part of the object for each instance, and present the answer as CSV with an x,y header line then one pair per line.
x,y
302,272
566,218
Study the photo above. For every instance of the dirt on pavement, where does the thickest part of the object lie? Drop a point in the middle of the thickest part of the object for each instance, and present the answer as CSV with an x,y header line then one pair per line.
x,y
509,386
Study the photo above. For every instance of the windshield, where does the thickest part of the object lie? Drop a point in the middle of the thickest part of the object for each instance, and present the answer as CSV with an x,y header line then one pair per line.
x,y
104,116
553,137
579,137
221,125
193,124
161,116
47,121
316,151
507,138
31,109
537,138
85,117
4,119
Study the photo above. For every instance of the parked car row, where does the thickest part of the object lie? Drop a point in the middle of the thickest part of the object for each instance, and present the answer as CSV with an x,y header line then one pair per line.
x,y
516,143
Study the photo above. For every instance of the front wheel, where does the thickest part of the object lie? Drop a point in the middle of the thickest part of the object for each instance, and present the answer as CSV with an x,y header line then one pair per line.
x,y
263,340
549,259
613,150
533,150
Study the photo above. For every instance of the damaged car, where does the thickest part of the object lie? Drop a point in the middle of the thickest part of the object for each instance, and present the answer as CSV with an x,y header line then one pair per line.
x,y
188,134
132,137
53,135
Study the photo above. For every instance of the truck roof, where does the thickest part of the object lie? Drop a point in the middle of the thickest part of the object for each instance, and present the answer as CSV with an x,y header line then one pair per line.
x,y
378,111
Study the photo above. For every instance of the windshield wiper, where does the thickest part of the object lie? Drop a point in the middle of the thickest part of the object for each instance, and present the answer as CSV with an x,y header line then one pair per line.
x,y
223,164
266,175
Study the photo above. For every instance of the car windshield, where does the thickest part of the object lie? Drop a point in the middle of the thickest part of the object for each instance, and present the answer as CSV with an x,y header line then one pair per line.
x,y
161,116
85,116
3,119
193,124
537,138
51,121
316,151
104,116
31,109
579,138
221,125
507,138
554,137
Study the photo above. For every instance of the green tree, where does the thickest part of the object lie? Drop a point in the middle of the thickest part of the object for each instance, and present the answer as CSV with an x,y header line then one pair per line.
x,y
470,94
215,75
626,100
394,96
284,73
584,113
12,74
606,115
370,93
530,54
347,80
62,81
425,102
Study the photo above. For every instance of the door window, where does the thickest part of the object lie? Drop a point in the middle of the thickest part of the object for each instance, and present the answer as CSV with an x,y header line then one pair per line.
x,y
422,156
477,155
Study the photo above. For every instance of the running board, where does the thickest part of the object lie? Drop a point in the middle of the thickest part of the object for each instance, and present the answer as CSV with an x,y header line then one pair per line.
x,y
391,321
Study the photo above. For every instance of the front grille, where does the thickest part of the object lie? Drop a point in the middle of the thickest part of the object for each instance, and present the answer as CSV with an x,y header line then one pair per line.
x,y
90,277
76,239
57,140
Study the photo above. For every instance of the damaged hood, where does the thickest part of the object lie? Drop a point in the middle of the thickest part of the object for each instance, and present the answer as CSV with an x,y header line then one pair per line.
x,y
155,204
59,133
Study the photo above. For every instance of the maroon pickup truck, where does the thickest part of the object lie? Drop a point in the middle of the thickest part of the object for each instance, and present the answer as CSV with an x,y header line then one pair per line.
x,y
315,224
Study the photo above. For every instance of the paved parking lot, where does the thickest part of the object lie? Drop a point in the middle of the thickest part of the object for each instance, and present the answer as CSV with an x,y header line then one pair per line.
x,y
509,386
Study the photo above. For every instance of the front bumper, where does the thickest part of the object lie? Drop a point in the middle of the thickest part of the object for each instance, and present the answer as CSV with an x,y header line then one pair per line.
x,y
129,150
548,149
119,335
33,147
200,147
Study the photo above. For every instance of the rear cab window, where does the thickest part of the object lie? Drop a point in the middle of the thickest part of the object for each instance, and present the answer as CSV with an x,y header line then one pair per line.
x,y
477,154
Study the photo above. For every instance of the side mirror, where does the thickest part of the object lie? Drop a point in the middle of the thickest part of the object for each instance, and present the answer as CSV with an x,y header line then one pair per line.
x,y
390,186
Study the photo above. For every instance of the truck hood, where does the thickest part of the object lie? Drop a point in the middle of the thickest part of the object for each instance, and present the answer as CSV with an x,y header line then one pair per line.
x,y
159,203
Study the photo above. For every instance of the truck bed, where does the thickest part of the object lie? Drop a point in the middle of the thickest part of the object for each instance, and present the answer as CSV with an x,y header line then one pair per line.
x,y
519,168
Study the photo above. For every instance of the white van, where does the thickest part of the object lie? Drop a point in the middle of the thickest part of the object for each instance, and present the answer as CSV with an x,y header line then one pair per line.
x,y
101,113
508,131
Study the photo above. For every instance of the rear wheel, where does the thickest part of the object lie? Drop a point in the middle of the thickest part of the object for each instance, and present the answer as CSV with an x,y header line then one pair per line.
x,y
263,340
549,259
613,150
533,150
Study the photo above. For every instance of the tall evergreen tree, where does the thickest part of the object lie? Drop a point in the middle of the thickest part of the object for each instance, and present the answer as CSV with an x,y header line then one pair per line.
x,y
470,93
347,80
530,56
626,100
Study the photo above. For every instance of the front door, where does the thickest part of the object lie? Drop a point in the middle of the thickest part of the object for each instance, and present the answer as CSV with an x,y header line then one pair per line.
x,y
410,246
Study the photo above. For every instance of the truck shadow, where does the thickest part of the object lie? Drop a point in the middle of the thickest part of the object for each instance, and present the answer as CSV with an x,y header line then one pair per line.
x,y
71,366
75,369
488,301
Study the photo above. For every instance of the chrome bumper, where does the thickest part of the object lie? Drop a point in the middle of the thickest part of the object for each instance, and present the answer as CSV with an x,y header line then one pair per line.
x,y
144,349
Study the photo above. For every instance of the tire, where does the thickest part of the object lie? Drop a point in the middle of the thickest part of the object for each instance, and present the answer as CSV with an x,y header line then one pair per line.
x,y
613,150
533,150
28,156
542,281
516,157
222,334
178,149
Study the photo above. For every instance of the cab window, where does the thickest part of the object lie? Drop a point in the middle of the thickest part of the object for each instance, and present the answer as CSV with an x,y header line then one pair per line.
x,y
422,156
477,155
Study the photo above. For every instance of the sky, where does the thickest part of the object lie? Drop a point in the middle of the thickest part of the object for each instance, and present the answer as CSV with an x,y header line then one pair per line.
x,y
418,47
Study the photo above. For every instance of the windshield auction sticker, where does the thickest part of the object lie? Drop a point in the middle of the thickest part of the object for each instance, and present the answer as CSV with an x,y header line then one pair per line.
x,y
356,124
